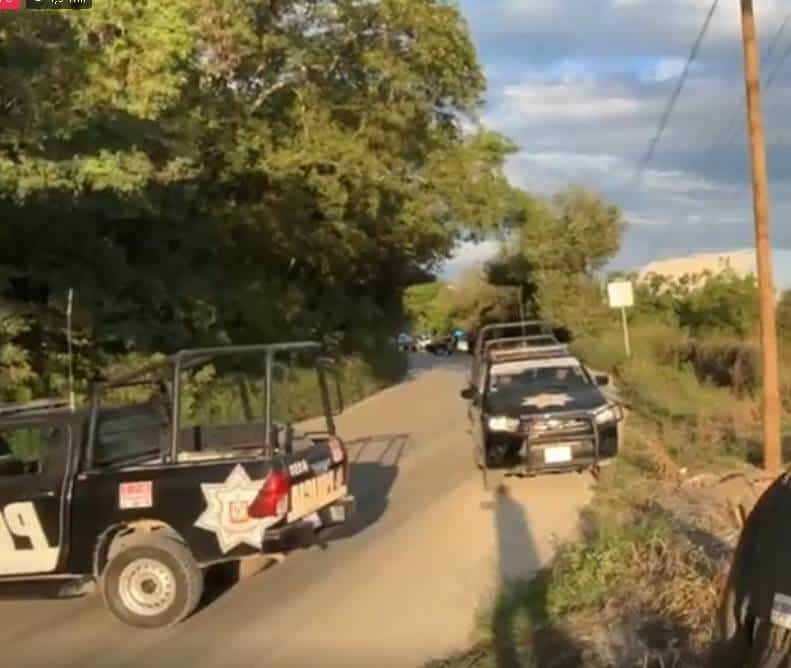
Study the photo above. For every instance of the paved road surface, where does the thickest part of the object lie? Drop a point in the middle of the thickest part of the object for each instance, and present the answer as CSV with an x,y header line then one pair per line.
x,y
426,548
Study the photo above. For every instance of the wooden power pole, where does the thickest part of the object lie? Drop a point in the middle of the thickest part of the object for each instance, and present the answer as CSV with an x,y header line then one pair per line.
x,y
773,458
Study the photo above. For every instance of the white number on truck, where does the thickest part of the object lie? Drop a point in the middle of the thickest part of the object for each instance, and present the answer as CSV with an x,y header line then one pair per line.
x,y
311,495
21,520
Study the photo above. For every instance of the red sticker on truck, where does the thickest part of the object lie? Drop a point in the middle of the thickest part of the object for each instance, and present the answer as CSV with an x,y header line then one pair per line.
x,y
135,495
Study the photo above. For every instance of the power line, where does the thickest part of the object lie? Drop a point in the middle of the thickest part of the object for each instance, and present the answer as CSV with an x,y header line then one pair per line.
x,y
767,86
778,66
676,93
730,134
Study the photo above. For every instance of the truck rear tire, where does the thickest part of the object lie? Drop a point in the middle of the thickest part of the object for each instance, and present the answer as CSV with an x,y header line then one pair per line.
x,y
153,583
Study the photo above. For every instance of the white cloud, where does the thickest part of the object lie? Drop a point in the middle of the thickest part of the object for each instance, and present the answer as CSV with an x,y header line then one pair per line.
x,y
470,255
666,68
633,218
605,172
677,182
528,10
570,99
580,86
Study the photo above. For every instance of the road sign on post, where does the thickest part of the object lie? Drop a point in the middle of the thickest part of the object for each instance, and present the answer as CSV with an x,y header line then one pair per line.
x,y
621,295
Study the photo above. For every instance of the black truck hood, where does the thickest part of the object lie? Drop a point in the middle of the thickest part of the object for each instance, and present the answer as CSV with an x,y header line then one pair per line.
x,y
551,401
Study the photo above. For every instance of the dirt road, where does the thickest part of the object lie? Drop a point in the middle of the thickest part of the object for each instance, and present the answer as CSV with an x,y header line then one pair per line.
x,y
401,586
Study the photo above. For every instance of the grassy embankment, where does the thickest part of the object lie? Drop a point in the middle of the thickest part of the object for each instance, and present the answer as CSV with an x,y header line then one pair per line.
x,y
642,582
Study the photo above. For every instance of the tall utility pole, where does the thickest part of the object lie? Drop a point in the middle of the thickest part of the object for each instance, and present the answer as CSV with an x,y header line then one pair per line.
x,y
773,459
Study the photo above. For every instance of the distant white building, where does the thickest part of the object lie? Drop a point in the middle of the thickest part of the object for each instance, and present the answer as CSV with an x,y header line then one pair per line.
x,y
741,262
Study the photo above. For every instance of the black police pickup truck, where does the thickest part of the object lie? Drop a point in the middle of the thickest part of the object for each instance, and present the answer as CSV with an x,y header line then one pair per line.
x,y
129,499
535,408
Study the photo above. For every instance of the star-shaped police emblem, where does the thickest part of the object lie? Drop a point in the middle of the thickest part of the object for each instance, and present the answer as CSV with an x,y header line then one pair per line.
x,y
546,400
226,511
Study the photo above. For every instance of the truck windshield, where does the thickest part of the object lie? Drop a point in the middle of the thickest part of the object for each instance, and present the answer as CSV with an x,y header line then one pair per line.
x,y
565,378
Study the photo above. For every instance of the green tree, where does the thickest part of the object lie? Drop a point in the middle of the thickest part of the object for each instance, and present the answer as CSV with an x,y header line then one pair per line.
x,y
476,301
428,307
784,315
553,249
722,302
246,170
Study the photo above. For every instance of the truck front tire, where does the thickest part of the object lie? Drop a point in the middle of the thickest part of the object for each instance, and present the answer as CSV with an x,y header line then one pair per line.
x,y
153,583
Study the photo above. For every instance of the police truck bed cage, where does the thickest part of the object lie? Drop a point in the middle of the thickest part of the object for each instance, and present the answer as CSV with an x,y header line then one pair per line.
x,y
523,328
188,359
528,352
518,342
542,326
33,407
168,371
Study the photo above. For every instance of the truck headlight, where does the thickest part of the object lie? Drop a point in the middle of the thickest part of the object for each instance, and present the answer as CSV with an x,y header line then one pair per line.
x,y
613,413
503,423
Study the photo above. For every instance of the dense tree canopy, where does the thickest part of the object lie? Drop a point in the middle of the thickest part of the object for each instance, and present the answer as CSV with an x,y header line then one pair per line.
x,y
249,169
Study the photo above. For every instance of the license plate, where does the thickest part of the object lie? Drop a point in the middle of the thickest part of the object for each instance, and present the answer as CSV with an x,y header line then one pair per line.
x,y
557,454
337,513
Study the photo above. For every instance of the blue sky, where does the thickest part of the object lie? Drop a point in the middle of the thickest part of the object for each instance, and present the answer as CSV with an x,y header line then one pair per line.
x,y
580,85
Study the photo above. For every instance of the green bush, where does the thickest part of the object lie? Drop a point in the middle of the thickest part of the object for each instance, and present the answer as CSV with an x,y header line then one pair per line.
x,y
667,391
701,304
725,363
584,573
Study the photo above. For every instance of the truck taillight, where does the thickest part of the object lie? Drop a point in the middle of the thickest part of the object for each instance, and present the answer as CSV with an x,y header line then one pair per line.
x,y
272,499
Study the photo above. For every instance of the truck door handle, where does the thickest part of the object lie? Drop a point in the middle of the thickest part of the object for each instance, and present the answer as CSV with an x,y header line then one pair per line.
x,y
43,494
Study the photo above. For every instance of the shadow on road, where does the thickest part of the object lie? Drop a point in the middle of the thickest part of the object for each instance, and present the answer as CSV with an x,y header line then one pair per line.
x,y
520,623
218,580
374,469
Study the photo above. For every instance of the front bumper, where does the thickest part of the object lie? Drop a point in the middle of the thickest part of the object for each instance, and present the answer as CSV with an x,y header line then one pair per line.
x,y
519,453
305,532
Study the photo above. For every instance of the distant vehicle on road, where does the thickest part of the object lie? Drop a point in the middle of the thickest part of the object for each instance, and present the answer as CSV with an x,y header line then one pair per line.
x,y
534,407
125,498
443,346
422,341
406,343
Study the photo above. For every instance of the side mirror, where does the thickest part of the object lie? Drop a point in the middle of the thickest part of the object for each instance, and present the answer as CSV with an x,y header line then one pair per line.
x,y
602,379
468,393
